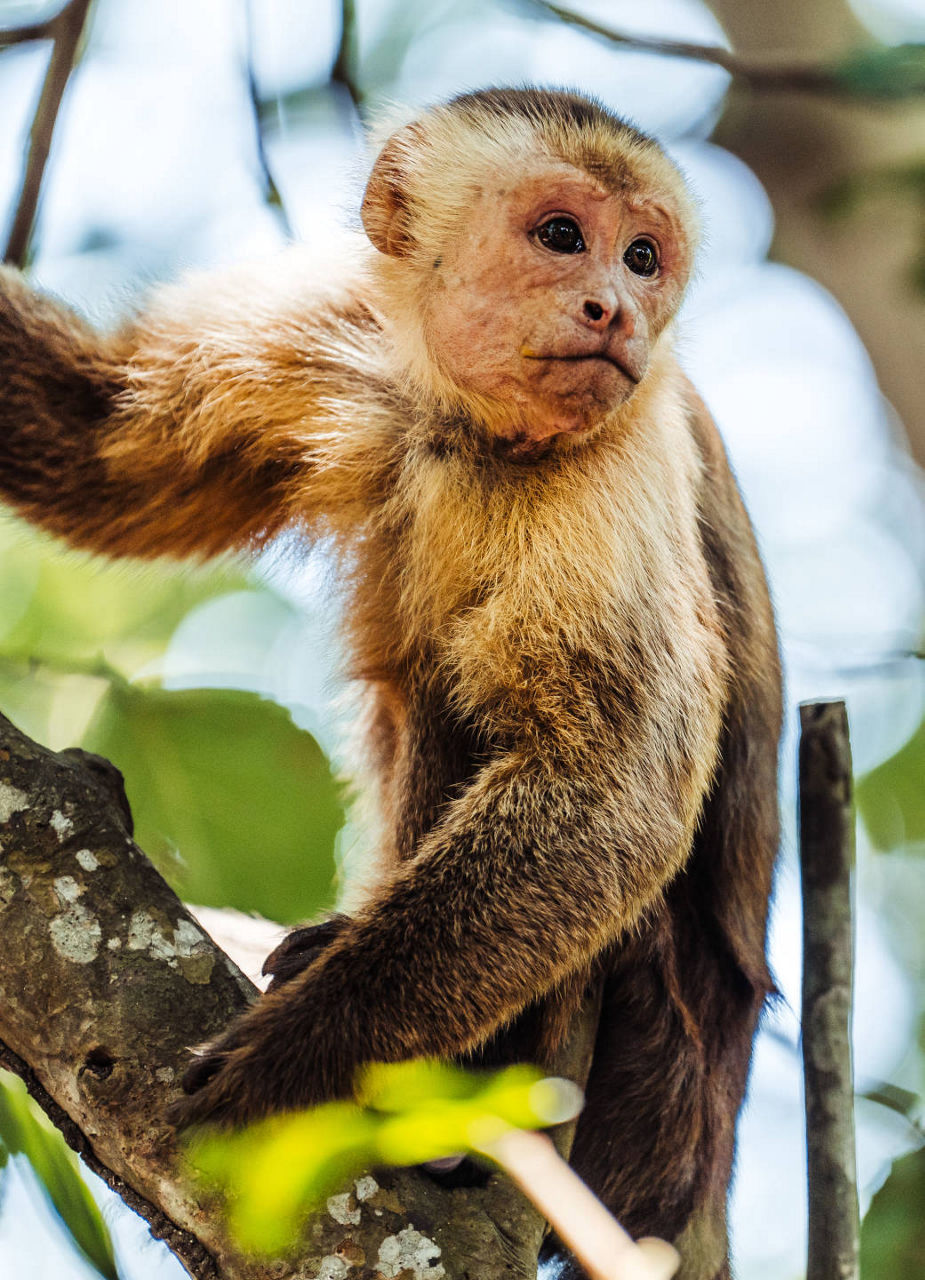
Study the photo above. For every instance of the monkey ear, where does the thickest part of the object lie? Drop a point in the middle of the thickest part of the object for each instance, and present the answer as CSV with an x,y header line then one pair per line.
x,y
386,207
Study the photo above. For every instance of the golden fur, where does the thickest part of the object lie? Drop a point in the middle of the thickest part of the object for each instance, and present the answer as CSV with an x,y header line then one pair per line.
x,y
573,689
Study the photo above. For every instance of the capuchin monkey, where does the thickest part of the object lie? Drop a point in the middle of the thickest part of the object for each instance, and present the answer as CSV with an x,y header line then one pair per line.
x,y
554,603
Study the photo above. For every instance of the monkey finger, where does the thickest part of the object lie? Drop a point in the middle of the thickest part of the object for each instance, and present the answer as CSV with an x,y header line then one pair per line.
x,y
206,1106
299,948
204,1067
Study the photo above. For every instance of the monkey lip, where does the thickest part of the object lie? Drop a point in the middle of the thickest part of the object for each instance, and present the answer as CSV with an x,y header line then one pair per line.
x,y
582,356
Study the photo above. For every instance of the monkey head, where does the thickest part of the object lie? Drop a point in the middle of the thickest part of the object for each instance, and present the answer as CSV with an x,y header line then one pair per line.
x,y
535,248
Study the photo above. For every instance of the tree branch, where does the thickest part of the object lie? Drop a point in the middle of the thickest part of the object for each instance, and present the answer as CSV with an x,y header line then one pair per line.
x,y
65,29
827,861
27,33
106,979
342,71
767,76
271,192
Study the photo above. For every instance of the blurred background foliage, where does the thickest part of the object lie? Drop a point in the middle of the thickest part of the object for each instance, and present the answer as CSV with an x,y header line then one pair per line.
x,y
196,134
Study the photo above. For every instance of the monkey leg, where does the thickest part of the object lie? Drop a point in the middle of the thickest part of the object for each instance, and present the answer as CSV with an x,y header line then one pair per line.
x,y
655,1140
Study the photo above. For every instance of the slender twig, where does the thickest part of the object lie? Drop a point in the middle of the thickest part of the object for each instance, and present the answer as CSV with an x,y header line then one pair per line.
x,y
342,71
827,861
758,76
271,192
66,30
27,33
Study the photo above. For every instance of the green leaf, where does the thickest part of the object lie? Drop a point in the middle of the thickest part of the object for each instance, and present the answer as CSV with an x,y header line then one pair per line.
x,y
890,71
24,1131
847,193
891,798
274,1173
76,603
229,797
893,1231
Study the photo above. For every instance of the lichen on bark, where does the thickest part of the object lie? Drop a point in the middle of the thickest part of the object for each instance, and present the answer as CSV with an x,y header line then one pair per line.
x,y
106,981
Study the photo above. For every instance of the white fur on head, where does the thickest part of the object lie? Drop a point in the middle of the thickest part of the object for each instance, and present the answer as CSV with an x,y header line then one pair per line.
x,y
429,169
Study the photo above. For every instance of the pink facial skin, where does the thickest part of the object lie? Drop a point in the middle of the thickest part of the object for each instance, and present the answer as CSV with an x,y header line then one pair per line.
x,y
561,338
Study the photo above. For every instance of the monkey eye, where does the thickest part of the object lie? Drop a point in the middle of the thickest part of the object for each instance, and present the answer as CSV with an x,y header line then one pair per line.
x,y
642,257
561,235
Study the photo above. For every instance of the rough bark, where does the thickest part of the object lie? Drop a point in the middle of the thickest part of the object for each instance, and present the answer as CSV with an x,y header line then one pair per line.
x,y
106,979
827,863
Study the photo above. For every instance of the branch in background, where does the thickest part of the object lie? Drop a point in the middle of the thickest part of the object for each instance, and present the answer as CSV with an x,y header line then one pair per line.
x,y
875,73
65,30
27,33
342,71
827,862
271,192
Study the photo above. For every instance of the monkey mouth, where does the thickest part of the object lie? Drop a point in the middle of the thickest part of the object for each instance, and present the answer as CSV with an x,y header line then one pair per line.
x,y
584,356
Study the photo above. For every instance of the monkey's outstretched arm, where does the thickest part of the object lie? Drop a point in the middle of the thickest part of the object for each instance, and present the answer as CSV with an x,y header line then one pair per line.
x,y
210,423
529,876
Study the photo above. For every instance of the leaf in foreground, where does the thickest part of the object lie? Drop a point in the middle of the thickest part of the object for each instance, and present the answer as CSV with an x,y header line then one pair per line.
x,y
275,1173
25,1132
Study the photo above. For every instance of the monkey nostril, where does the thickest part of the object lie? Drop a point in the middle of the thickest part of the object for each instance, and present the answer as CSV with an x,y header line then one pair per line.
x,y
593,310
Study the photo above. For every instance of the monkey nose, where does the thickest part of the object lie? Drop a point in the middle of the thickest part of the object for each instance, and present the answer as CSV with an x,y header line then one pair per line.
x,y
596,314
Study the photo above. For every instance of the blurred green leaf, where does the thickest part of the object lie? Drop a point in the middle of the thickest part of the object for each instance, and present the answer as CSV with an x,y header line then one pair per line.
x,y
906,181
24,1131
229,797
390,1087
27,696
274,1173
888,71
847,193
893,1231
69,605
891,798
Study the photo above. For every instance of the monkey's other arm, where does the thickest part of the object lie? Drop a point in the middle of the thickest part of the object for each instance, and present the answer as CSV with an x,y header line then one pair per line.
x,y
533,870
197,429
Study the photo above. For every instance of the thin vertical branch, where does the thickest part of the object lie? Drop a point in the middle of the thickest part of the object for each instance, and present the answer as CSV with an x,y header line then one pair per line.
x,y
343,71
271,192
827,861
65,30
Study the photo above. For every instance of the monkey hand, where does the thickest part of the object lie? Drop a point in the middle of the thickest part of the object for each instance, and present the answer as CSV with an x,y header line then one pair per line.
x,y
299,948
277,1056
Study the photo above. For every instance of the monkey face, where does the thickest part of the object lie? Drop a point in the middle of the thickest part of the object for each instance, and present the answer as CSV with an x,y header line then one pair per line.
x,y
551,297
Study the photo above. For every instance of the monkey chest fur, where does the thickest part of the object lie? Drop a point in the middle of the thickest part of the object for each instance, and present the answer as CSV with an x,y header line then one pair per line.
x,y
561,612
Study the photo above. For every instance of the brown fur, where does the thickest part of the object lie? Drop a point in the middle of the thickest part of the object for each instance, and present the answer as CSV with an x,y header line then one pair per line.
x,y
558,611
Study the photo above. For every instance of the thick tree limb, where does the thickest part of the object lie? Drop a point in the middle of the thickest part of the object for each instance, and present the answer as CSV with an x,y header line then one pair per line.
x,y
106,979
827,862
